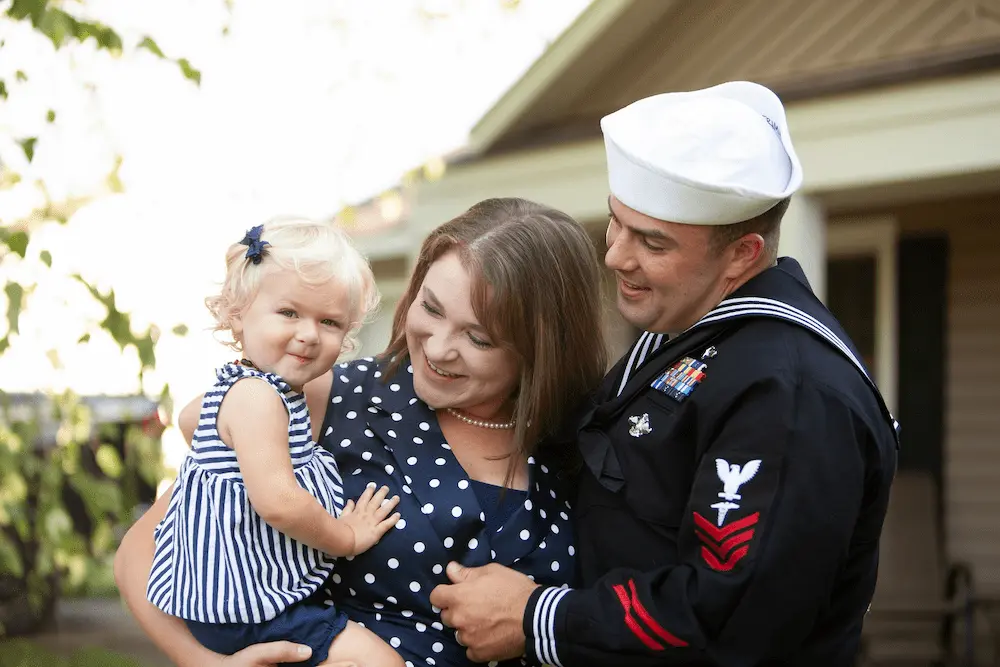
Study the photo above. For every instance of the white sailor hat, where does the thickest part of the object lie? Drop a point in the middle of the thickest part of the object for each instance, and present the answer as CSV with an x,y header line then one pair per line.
x,y
706,157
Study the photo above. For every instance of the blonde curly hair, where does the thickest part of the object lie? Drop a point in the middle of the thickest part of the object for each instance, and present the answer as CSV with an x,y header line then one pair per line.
x,y
317,251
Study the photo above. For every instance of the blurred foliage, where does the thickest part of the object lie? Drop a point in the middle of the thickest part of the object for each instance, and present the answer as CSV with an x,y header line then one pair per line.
x,y
65,504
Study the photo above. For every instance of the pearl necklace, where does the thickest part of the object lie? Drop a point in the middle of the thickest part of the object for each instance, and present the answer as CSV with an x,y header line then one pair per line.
x,y
481,424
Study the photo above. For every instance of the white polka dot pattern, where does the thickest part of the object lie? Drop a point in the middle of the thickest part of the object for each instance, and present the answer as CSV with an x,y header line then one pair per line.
x,y
387,588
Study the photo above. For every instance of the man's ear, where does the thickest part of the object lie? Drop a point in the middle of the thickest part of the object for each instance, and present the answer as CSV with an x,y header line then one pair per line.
x,y
744,253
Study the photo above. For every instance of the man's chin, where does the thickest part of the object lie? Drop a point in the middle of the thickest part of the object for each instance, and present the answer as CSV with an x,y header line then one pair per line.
x,y
634,314
643,320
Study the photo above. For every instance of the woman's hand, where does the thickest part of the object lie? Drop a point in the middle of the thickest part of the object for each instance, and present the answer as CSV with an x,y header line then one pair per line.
x,y
369,518
271,654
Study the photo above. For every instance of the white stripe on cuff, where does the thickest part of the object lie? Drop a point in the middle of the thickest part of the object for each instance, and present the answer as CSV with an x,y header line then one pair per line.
x,y
544,624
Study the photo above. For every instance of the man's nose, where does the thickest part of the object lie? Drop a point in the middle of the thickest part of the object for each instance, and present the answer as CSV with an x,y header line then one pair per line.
x,y
619,256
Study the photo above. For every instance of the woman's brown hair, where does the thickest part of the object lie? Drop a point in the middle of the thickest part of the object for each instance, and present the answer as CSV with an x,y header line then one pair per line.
x,y
536,290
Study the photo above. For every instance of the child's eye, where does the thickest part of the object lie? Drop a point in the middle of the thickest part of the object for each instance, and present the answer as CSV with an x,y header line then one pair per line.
x,y
287,312
330,323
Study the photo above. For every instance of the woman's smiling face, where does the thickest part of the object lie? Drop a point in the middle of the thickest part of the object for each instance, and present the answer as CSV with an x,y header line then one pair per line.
x,y
456,364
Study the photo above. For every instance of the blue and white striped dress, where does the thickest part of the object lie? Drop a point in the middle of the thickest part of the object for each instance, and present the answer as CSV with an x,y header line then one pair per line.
x,y
216,560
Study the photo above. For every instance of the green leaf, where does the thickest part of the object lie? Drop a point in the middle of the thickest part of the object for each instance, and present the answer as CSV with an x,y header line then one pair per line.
x,y
4,344
57,25
117,324
15,294
46,258
113,180
8,179
103,538
105,36
85,338
20,75
3,89
17,242
57,524
189,72
50,116
180,330
100,497
107,301
28,146
148,44
146,348
10,557
33,9
15,488
108,461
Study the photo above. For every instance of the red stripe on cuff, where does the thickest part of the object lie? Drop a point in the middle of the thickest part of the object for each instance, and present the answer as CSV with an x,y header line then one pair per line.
x,y
631,622
662,633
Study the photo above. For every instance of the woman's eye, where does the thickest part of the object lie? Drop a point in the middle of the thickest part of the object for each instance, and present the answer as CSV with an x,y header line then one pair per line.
x,y
479,342
430,309
650,246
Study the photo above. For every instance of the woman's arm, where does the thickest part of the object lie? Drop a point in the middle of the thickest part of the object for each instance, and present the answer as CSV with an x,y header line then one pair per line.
x,y
133,562
132,565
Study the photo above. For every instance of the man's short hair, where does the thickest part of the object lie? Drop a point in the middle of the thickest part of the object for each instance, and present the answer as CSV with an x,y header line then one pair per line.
x,y
767,224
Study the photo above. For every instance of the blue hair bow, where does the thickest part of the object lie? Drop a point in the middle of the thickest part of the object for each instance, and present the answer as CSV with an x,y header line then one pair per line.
x,y
255,249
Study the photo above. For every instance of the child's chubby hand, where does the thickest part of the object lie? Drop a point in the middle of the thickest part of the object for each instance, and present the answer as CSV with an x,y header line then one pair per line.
x,y
370,517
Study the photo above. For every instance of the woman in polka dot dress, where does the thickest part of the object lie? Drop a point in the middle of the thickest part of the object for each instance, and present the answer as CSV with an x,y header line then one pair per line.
x,y
459,417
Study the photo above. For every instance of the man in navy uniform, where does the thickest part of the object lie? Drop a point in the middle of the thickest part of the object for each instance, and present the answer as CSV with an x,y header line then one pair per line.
x,y
738,459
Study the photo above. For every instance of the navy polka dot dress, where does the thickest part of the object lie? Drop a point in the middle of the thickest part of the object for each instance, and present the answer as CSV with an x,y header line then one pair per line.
x,y
381,432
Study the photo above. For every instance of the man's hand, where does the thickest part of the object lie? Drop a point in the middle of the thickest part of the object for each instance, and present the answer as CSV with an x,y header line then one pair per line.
x,y
271,654
486,607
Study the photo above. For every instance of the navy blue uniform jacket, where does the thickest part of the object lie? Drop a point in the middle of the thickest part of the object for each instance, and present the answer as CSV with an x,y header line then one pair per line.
x,y
733,495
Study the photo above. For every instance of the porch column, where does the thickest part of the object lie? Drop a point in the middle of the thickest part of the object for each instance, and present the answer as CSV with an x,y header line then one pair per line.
x,y
803,237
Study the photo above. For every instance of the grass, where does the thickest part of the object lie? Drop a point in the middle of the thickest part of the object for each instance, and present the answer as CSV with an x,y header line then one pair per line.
x,y
25,653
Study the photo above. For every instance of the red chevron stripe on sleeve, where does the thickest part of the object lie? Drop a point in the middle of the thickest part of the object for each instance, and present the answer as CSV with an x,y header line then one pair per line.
x,y
719,543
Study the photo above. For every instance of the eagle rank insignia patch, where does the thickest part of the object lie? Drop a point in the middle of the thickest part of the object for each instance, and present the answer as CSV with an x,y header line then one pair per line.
x,y
724,544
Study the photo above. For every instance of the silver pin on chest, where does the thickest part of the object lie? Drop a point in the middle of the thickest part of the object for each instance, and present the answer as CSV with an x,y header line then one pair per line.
x,y
640,425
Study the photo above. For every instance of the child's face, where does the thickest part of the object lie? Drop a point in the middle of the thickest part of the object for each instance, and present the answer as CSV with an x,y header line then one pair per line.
x,y
292,328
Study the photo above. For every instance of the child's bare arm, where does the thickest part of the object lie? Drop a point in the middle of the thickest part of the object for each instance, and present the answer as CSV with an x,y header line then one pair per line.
x,y
253,421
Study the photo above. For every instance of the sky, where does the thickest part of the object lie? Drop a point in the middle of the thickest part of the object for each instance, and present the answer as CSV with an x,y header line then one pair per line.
x,y
300,111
